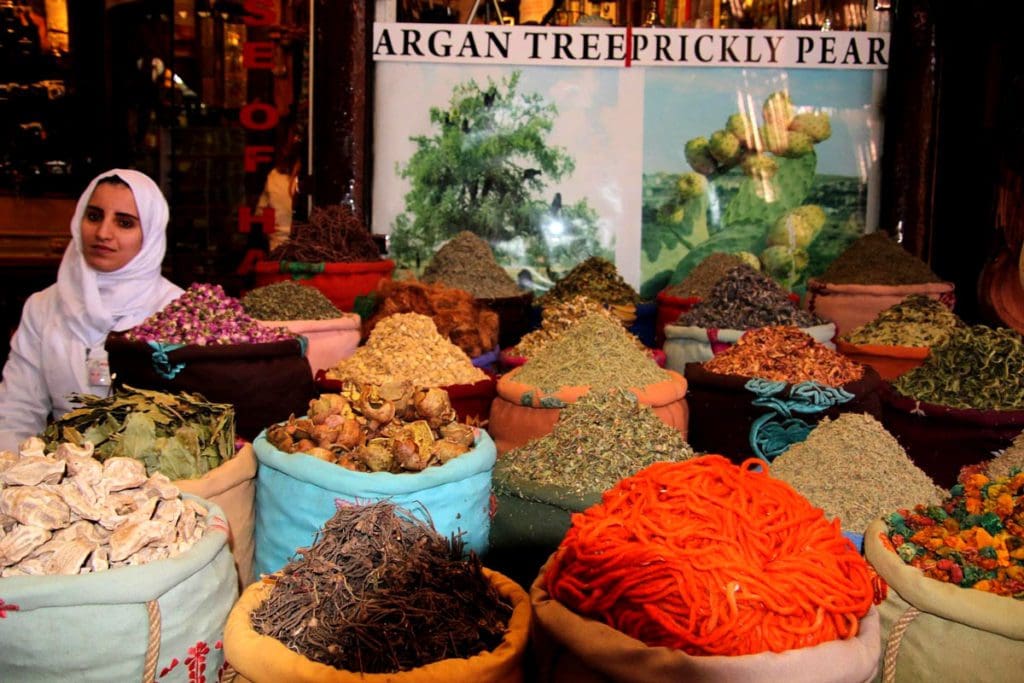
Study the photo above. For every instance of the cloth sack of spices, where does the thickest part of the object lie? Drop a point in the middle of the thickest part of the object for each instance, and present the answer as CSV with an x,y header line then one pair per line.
x,y
296,493
936,631
570,647
232,487
158,621
769,390
522,412
851,305
687,344
327,341
259,658
265,382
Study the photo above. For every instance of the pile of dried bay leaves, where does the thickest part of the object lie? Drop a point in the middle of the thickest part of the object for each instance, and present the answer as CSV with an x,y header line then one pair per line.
x,y
182,435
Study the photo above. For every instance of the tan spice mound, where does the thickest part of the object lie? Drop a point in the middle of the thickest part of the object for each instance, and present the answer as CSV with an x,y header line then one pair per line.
x,y
855,470
598,353
407,346
785,354
559,318
1010,459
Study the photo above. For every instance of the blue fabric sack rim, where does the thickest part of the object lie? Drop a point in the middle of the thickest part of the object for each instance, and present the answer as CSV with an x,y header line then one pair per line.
x,y
121,585
326,475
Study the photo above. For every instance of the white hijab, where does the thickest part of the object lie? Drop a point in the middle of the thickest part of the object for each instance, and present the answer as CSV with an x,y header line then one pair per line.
x,y
94,303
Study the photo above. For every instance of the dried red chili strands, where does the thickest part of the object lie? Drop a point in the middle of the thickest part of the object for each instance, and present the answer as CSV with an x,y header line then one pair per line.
x,y
974,539
334,234
785,354
712,559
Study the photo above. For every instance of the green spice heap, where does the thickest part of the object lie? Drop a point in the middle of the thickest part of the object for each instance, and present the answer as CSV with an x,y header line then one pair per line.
x,y
975,367
602,438
595,278
918,320
180,435
289,300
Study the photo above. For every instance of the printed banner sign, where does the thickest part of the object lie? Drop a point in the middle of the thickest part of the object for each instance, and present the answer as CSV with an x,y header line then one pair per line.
x,y
651,147
626,46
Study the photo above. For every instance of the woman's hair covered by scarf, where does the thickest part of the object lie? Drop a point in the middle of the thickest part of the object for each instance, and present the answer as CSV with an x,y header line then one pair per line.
x,y
94,303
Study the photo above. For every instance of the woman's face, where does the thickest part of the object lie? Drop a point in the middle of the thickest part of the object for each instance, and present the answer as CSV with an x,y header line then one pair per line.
x,y
111,231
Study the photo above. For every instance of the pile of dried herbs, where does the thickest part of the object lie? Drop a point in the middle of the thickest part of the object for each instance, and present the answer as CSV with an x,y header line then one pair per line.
x,y
289,300
382,592
334,234
699,281
407,347
918,320
559,318
745,299
596,278
602,438
853,469
785,354
975,367
181,435
1009,462
598,352
467,262
875,259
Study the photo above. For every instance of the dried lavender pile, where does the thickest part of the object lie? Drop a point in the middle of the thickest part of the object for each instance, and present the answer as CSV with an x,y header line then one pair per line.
x,y
705,275
597,352
289,301
596,278
918,320
602,438
467,262
875,259
382,592
855,470
334,234
745,299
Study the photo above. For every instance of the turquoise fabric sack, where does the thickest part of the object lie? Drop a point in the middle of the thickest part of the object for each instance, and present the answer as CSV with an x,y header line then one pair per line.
x,y
295,495
159,621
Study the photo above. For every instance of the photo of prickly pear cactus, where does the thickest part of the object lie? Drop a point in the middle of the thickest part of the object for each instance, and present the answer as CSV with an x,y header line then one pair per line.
x,y
779,169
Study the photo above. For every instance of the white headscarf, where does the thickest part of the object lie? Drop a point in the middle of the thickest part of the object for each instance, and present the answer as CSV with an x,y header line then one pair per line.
x,y
94,303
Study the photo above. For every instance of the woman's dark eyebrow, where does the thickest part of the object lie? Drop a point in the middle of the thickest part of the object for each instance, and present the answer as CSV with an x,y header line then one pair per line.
x,y
119,214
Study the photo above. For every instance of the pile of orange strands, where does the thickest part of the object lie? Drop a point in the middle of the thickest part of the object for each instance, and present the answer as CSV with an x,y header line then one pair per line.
x,y
713,559
785,354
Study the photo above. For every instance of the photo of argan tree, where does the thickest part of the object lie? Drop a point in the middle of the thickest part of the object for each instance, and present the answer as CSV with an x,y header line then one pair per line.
x,y
489,165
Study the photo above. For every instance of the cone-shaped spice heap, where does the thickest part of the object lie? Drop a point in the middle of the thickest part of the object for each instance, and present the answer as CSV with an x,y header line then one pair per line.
x,y
745,299
918,320
597,352
559,318
382,592
705,275
596,278
602,438
467,262
875,259
853,469
407,346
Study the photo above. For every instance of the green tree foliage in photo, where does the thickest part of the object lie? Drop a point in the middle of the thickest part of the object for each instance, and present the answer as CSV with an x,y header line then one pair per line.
x,y
487,167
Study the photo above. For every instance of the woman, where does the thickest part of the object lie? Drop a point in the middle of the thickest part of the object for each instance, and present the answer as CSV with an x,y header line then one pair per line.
x,y
109,279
